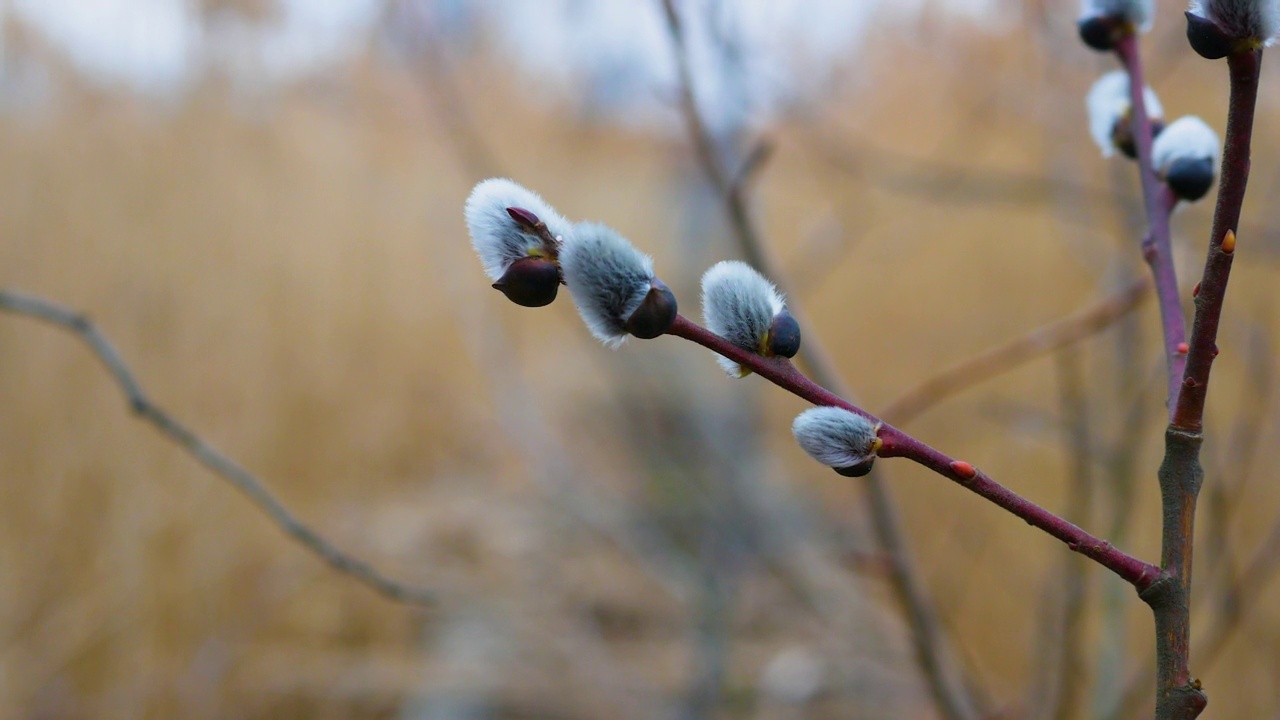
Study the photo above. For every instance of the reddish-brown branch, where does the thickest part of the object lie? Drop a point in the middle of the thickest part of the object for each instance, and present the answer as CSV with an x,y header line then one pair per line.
x,y
1159,201
1178,694
1244,70
782,373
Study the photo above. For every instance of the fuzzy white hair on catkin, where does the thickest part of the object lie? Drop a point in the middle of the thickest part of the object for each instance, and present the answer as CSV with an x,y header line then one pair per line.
x,y
607,278
1108,100
1255,19
1186,137
834,436
1138,12
496,237
738,304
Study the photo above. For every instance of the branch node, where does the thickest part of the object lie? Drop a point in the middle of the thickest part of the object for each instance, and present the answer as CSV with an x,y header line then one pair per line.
x,y
1161,590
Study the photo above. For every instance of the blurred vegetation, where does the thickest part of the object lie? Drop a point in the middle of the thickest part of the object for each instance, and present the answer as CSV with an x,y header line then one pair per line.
x,y
617,534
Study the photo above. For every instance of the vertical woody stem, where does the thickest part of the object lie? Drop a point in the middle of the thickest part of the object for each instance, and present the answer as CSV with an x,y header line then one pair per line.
x,y
1178,694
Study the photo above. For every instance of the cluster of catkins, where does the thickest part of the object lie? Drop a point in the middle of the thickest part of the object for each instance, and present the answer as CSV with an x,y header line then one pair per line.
x,y
529,250
1185,152
1215,28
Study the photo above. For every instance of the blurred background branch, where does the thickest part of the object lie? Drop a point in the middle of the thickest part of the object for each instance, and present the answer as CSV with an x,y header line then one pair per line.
x,y
206,454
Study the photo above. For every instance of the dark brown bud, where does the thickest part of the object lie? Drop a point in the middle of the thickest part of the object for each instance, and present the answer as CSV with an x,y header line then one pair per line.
x,y
1101,32
784,336
859,469
1190,178
1206,38
531,282
656,314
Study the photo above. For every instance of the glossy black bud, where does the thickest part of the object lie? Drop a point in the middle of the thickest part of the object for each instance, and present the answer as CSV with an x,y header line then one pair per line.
x,y
1100,32
859,469
1190,178
656,314
1206,38
784,336
531,282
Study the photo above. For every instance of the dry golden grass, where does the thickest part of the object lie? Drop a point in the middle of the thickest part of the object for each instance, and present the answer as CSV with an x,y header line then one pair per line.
x,y
296,284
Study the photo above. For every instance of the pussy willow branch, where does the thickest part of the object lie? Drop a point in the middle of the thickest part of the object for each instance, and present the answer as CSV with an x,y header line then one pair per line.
x,y
1244,71
1178,694
1159,201
1037,343
926,630
897,443
209,456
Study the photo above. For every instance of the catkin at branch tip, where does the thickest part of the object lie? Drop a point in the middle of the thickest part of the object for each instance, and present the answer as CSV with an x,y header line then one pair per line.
x,y
495,235
1250,20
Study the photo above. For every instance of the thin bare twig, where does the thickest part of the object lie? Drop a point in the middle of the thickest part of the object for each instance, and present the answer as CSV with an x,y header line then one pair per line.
x,y
944,677
998,360
209,456
1178,693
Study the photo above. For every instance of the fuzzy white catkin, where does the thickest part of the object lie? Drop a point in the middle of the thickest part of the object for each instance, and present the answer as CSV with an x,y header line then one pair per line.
x,y
834,436
1257,20
607,277
1138,12
496,237
738,304
1108,101
1187,137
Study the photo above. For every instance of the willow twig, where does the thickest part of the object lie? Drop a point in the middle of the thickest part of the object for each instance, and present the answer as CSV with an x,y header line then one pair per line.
x,y
1178,694
896,443
206,454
